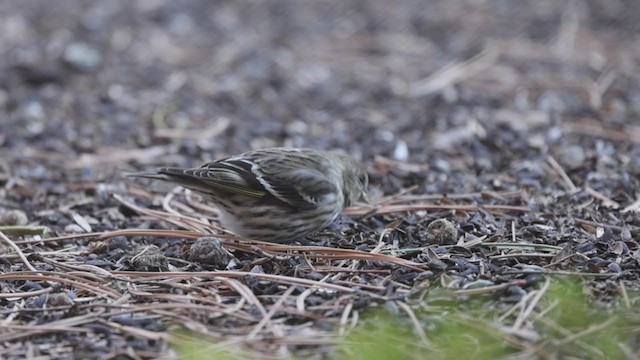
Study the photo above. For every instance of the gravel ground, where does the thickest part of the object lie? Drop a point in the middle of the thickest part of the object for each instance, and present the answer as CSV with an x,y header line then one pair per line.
x,y
518,122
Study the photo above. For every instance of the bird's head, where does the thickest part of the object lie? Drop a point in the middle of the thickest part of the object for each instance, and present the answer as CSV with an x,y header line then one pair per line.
x,y
355,179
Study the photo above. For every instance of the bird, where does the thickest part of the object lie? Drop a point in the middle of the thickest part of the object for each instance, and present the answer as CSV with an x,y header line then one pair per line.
x,y
277,195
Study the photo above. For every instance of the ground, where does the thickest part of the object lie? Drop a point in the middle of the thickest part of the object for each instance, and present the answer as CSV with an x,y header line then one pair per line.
x,y
502,141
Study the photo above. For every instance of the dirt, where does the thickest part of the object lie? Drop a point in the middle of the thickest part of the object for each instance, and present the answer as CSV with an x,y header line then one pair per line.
x,y
517,122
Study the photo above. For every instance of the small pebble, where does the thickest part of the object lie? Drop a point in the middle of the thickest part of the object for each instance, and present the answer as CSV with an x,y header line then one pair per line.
x,y
614,267
514,294
401,152
82,56
442,232
437,265
210,251
149,258
59,299
572,157
14,218
74,228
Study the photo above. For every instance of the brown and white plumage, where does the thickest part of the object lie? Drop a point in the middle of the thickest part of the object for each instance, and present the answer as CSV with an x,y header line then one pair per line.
x,y
275,194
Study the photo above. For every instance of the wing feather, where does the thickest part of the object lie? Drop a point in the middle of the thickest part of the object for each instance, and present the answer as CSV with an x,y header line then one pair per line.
x,y
282,179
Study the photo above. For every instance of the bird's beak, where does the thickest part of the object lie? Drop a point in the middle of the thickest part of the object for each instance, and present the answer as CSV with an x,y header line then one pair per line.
x,y
365,198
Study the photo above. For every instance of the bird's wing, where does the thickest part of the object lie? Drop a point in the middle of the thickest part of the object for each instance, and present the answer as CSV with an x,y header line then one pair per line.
x,y
298,188
293,176
280,179
235,177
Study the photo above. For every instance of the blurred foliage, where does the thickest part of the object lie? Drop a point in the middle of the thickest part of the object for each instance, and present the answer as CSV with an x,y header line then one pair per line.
x,y
567,322
190,346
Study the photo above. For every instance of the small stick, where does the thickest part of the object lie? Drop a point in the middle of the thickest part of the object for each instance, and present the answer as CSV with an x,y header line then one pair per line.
x,y
556,166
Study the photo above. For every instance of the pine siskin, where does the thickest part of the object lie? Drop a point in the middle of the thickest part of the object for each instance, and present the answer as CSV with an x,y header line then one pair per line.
x,y
276,194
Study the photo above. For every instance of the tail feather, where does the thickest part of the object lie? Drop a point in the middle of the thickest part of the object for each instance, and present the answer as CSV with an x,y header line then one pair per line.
x,y
149,175
199,179
174,175
164,173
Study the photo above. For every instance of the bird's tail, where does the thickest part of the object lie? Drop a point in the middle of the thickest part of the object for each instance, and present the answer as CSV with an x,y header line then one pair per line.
x,y
166,174
177,176
157,175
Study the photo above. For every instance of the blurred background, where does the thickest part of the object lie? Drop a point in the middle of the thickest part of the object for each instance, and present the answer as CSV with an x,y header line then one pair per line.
x,y
447,86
